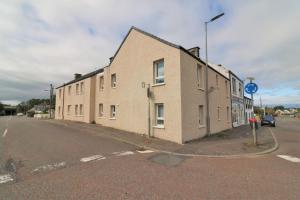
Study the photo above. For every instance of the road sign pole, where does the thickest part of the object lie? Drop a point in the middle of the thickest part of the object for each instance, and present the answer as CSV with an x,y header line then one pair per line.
x,y
253,123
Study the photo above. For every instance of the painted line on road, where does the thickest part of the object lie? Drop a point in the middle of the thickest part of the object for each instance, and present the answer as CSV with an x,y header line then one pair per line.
x,y
5,178
145,151
123,153
289,158
5,132
91,158
49,167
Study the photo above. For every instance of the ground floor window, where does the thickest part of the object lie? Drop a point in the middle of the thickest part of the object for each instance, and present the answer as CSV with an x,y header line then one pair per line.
x,y
76,110
100,110
81,109
218,113
201,115
69,109
227,113
58,110
112,111
159,113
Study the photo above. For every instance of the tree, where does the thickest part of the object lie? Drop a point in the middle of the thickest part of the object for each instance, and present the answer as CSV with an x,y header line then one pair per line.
x,y
1,107
279,108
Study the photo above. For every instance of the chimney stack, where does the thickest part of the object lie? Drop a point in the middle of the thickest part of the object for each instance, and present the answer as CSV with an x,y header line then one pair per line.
x,y
111,59
195,51
76,76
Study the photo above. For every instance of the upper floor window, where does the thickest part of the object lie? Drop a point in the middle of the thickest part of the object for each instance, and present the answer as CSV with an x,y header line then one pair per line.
x,y
233,86
159,72
59,93
101,82
77,88
113,80
240,90
159,109
69,90
200,76
226,88
81,87
217,80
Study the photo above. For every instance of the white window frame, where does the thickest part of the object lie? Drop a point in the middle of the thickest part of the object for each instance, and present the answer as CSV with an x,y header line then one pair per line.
x,y
113,112
100,110
159,118
101,83
156,77
113,82
200,76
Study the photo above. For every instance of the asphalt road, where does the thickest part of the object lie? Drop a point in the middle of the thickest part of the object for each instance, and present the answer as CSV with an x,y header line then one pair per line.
x,y
35,144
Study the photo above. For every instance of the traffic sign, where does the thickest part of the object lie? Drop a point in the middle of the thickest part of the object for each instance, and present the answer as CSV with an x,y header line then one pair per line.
x,y
251,88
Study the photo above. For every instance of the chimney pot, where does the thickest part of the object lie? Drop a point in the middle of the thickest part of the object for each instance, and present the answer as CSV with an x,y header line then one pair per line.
x,y
76,76
195,51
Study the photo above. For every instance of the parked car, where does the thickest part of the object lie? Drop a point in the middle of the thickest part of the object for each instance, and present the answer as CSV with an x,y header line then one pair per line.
x,y
268,120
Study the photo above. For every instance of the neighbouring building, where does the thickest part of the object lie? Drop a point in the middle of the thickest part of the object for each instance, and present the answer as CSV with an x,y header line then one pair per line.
x,y
248,109
236,95
151,87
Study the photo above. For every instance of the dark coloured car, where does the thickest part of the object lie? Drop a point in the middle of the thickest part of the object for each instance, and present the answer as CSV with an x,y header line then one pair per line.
x,y
268,120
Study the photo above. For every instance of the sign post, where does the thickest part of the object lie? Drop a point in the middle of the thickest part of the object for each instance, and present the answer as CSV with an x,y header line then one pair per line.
x,y
251,88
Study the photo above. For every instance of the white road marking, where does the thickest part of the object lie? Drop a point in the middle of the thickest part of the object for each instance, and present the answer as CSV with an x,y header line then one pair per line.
x,y
94,157
49,167
146,151
5,132
5,178
123,153
289,158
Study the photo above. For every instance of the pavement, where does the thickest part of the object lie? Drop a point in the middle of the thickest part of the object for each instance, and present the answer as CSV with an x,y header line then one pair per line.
x,y
58,161
234,142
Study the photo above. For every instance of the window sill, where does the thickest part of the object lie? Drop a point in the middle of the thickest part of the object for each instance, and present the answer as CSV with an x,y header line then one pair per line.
x,y
112,118
158,84
201,126
199,88
159,127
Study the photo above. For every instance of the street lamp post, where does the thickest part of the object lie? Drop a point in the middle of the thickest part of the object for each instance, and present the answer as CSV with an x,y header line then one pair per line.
x,y
206,74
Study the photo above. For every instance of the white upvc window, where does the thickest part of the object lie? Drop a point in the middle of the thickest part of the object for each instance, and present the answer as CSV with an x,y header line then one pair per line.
x,y
199,76
100,110
101,82
159,72
76,110
201,115
81,87
77,89
113,80
69,89
69,109
113,112
81,111
159,109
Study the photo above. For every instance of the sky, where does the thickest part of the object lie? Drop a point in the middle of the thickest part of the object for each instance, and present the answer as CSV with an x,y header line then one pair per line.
x,y
43,42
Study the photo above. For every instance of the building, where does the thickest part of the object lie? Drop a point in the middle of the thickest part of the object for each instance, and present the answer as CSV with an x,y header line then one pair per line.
x,y
248,109
236,95
151,87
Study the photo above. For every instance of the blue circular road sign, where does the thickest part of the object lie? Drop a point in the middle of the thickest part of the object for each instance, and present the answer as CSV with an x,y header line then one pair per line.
x,y
251,88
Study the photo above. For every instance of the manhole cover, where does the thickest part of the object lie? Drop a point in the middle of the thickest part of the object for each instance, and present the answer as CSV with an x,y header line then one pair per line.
x,y
167,159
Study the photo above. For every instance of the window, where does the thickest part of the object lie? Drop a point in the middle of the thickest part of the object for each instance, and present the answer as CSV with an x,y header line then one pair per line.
x,y
76,110
233,86
100,110
69,90
69,109
218,110
199,76
227,113
112,111
226,88
159,114
217,81
81,87
59,93
159,74
77,88
240,90
81,109
101,82
201,115
113,80
58,110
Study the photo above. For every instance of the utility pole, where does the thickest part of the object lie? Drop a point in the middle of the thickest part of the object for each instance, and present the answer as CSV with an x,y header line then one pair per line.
x,y
206,74
51,98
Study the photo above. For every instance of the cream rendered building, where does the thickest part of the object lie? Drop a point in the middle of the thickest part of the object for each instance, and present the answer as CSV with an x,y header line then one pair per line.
x,y
150,87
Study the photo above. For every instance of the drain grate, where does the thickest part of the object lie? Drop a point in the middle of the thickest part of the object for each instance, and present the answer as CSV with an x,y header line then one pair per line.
x,y
167,159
